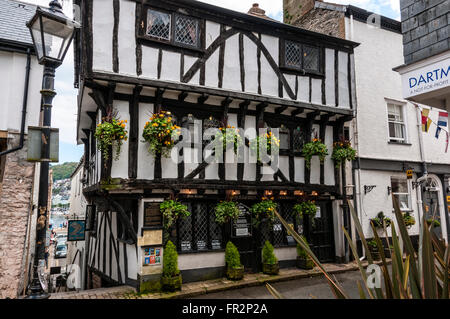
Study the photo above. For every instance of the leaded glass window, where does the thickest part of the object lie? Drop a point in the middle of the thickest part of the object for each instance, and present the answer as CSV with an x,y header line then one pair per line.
x,y
201,226
293,54
186,30
298,139
158,24
310,58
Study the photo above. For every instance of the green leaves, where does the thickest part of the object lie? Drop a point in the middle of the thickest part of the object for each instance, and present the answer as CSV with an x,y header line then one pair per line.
x,y
170,264
232,256
264,209
316,147
109,132
267,142
268,256
343,151
226,211
160,133
305,208
171,210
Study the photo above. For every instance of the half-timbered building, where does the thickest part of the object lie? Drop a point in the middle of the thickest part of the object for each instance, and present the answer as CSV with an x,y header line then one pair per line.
x,y
209,64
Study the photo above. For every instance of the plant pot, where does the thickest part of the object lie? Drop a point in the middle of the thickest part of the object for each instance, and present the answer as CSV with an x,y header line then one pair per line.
x,y
304,263
235,273
171,283
375,254
271,269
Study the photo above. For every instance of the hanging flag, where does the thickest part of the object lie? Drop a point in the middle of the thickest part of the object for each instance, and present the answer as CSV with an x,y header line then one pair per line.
x,y
442,122
426,121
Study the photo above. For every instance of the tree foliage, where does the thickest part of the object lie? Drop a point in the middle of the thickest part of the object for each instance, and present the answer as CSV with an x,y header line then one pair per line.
x,y
63,171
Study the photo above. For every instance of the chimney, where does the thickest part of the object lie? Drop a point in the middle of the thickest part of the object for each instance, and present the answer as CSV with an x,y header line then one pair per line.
x,y
295,9
256,11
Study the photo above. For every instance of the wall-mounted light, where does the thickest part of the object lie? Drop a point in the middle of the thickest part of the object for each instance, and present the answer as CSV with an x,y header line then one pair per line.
x,y
233,192
368,188
268,193
299,193
283,193
314,193
188,191
389,190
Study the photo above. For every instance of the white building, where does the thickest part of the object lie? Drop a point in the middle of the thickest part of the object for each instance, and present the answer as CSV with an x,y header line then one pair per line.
x,y
387,131
76,252
20,85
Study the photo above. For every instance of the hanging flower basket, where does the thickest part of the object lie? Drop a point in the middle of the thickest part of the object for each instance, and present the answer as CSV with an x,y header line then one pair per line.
x,y
264,210
308,208
172,210
160,133
226,211
343,151
380,220
111,132
409,219
267,142
227,137
316,147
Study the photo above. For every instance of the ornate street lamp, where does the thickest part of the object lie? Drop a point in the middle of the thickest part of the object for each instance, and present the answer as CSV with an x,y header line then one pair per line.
x,y
52,32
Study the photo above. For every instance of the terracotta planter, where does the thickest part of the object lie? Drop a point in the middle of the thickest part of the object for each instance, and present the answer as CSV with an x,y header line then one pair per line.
x,y
171,283
304,263
235,273
270,269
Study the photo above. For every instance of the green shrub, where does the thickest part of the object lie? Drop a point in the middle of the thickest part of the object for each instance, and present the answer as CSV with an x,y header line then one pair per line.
x,y
268,257
171,210
301,252
232,256
226,211
170,264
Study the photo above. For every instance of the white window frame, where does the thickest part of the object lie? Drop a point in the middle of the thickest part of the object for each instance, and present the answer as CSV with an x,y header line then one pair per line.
x,y
402,106
408,194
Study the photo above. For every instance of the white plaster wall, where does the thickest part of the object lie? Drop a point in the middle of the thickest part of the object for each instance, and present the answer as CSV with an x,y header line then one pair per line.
x,y
126,38
316,91
232,69
379,200
132,261
435,148
251,66
212,32
12,81
269,80
329,78
149,62
119,168
170,69
344,96
376,81
250,164
146,161
201,260
286,253
299,163
102,34
329,163
303,89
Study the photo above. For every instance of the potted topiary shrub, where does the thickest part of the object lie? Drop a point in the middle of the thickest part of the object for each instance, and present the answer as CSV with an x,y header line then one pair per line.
x,y
303,259
270,262
171,278
373,248
234,268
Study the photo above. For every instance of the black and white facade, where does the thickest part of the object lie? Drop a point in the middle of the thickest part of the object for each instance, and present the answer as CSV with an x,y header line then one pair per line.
x,y
205,63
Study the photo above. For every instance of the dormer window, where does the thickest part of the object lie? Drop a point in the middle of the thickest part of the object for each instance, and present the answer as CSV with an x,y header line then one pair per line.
x,y
301,57
172,28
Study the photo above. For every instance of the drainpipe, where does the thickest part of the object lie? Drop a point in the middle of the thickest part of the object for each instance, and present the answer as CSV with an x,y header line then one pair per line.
x,y
424,164
24,107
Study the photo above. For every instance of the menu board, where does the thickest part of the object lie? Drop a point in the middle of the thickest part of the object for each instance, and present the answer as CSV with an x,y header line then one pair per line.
x,y
215,244
152,215
186,246
152,256
201,245
242,227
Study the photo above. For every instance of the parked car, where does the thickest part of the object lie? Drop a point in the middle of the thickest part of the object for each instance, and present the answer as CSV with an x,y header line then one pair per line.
x,y
61,251
61,239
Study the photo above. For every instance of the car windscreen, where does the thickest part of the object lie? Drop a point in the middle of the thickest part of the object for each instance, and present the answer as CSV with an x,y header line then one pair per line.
x,y
60,248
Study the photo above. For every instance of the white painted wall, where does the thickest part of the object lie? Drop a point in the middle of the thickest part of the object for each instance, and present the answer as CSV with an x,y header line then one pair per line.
x,y
12,81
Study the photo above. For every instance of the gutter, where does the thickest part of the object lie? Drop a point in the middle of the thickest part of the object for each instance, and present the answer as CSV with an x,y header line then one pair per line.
x,y
24,107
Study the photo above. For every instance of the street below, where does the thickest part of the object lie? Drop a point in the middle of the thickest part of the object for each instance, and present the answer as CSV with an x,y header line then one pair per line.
x,y
306,288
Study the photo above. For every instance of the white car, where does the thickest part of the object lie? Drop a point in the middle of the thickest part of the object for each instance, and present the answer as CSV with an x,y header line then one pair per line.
x,y
61,251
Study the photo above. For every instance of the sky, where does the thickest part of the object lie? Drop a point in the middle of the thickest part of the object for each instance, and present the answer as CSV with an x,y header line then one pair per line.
x,y
64,113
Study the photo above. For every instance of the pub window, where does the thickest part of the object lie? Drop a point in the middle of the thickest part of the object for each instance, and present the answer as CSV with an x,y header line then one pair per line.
x,y
298,139
158,24
280,235
284,138
199,231
397,125
301,57
173,28
400,190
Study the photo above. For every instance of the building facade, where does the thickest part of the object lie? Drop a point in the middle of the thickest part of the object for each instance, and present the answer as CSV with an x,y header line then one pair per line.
x,y
387,131
215,67
20,84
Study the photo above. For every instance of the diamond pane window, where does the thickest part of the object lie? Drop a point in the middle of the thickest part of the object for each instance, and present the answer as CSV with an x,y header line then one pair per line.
x,y
293,54
310,58
185,233
201,226
186,31
158,24
298,139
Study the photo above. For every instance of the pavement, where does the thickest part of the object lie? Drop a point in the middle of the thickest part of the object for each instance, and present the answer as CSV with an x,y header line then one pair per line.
x,y
222,288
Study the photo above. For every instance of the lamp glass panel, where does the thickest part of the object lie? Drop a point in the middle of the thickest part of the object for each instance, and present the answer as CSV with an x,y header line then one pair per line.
x,y
37,37
57,37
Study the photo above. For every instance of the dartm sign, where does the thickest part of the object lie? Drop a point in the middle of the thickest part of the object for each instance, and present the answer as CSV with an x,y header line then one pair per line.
x,y
426,79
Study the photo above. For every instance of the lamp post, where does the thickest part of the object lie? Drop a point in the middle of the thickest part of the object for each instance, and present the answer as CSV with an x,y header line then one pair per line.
x,y
52,32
